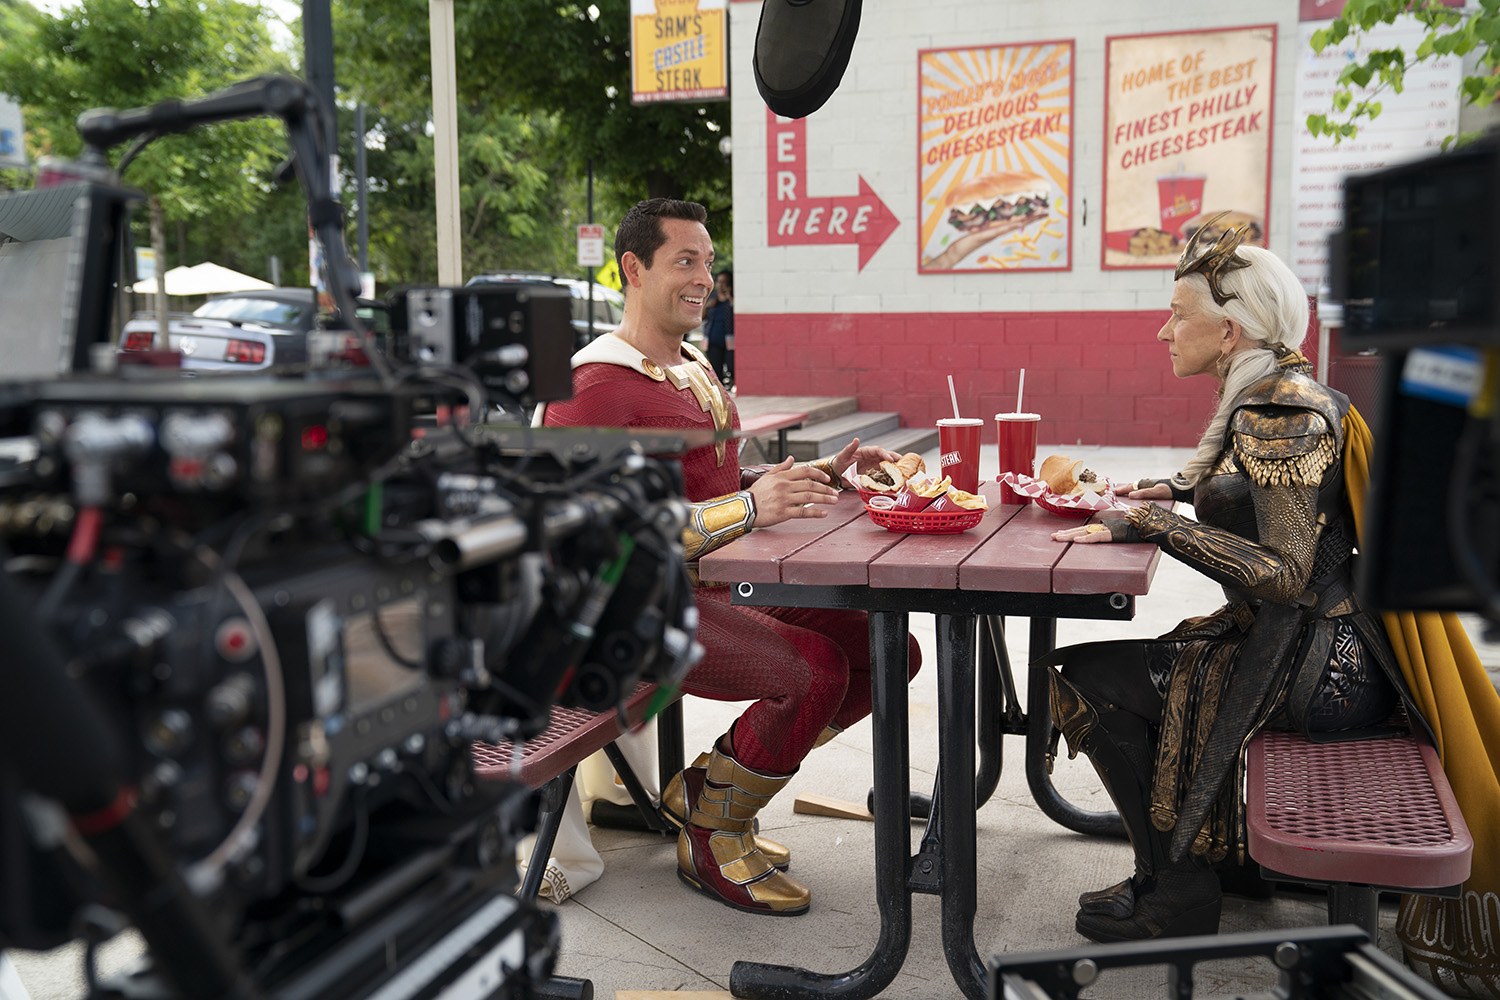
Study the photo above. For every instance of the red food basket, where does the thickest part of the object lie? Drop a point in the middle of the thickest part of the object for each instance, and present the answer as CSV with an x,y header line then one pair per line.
x,y
1048,501
925,522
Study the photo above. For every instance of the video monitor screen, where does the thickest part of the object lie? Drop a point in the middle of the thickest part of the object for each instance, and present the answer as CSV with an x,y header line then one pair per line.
x,y
1420,264
383,653
41,268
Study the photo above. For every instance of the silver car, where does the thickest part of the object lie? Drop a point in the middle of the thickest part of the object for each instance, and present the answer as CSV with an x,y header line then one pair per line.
x,y
242,331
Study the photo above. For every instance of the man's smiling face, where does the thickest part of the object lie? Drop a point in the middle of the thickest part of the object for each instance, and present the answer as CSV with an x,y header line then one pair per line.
x,y
674,289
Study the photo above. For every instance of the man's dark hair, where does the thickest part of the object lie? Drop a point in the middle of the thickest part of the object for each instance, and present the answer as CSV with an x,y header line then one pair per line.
x,y
640,231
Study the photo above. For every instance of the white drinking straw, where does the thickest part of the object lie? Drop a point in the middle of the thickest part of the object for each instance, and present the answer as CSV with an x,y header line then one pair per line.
x,y
954,394
1020,389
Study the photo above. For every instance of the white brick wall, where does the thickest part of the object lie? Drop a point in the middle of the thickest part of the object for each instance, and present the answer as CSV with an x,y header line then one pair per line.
x,y
869,128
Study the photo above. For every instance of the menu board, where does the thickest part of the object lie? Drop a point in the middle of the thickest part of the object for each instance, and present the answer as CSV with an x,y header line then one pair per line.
x,y
1411,124
995,158
1187,136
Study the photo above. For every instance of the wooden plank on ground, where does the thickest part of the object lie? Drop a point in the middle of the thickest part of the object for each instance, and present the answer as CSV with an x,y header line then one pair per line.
x,y
1109,568
931,562
813,804
757,557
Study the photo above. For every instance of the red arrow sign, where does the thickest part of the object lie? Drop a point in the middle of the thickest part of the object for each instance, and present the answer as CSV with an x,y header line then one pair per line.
x,y
794,219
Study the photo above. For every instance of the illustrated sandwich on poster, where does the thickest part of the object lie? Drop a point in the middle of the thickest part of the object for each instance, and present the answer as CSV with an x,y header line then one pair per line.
x,y
980,210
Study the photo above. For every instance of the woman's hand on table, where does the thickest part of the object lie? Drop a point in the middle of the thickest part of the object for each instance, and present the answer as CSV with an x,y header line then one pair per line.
x,y
787,491
1088,534
1156,491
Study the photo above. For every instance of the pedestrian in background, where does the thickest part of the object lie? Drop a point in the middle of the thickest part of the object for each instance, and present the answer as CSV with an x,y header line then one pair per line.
x,y
718,324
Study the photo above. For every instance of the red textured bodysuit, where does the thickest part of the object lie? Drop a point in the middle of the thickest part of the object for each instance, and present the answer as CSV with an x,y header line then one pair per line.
x,y
804,669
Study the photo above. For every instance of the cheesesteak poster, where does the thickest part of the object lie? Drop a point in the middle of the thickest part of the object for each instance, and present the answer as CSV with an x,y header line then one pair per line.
x,y
996,158
1187,135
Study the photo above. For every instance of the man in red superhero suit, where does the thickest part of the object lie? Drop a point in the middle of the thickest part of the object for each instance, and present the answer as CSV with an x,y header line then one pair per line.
x,y
807,671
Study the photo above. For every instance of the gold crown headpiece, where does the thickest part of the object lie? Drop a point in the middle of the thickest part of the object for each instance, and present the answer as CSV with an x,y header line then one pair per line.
x,y
1217,260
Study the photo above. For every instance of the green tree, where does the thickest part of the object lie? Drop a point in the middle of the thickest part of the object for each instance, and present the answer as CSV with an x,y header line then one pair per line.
x,y
565,68
128,53
1448,32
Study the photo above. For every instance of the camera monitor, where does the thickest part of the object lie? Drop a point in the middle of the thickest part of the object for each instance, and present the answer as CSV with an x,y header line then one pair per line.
x,y
58,247
1417,263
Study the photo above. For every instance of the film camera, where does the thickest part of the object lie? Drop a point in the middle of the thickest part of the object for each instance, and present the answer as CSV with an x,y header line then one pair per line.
x,y
1417,269
257,625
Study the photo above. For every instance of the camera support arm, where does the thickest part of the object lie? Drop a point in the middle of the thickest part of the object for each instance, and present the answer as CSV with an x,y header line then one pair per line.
x,y
296,104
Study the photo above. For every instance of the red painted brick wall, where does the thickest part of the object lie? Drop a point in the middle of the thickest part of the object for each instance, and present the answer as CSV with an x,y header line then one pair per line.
x,y
1097,378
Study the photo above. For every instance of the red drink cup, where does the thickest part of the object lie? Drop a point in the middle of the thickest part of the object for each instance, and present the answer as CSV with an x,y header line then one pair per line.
x,y
1181,198
958,448
1017,436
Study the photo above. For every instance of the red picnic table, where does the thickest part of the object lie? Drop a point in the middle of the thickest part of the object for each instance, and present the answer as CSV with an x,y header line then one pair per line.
x,y
1008,565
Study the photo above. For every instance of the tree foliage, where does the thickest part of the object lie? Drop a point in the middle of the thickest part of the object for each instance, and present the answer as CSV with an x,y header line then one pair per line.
x,y
564,67
543,94
129,53
1449,32
517,200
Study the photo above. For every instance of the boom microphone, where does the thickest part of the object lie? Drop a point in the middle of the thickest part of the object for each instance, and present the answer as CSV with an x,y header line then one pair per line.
x,y
802,48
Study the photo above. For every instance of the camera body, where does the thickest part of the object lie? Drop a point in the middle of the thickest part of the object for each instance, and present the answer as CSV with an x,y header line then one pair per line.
x,y
1419,274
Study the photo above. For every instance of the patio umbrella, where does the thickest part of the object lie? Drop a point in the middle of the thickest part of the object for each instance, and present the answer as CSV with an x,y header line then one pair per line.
x,y
207,278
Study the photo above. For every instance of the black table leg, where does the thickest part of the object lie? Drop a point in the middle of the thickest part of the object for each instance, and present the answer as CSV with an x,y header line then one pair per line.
x,y
670,752
955,805
1039,732
888,716
993,665
993,669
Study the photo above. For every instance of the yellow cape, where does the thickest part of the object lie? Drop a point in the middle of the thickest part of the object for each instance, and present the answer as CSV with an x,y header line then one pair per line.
x,y
1453,942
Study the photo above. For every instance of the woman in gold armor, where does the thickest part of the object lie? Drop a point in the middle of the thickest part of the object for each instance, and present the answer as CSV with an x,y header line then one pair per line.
x,y
1163,720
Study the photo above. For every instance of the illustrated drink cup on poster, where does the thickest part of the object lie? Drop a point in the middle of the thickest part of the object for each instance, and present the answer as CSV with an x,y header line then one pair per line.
x,y
1017,436
1181,197
958,445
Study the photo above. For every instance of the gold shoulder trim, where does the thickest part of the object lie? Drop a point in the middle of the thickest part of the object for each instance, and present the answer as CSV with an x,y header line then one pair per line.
x,y
1293,462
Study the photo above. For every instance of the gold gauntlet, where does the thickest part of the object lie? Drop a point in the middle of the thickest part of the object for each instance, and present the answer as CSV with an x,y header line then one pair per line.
x,y
711,523
1274,569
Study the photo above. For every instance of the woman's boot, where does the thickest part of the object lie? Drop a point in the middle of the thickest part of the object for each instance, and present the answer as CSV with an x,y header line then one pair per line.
x,y
1177,900
716,850
1160,898
681,796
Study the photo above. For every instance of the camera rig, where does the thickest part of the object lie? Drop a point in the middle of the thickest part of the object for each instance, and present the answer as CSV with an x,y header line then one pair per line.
x,y
258,625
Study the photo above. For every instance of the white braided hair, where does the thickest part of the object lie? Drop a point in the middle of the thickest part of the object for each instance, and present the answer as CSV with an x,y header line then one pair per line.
x,y
1271,309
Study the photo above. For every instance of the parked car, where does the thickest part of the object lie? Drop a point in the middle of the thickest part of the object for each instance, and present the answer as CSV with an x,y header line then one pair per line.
x,y
609,305
244,331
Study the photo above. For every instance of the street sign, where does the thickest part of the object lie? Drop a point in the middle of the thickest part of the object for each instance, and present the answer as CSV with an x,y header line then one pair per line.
x,y
12,148
590,246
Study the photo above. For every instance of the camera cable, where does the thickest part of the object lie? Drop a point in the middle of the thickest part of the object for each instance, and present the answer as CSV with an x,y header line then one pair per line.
x,y
242,836
81,548
359,840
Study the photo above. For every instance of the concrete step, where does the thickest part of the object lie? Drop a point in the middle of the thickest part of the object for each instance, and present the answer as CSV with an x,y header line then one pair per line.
x,y
905,439
827,436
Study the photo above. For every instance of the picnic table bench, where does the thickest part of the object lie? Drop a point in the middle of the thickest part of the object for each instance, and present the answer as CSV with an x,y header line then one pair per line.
x,y
1359,817
549,762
